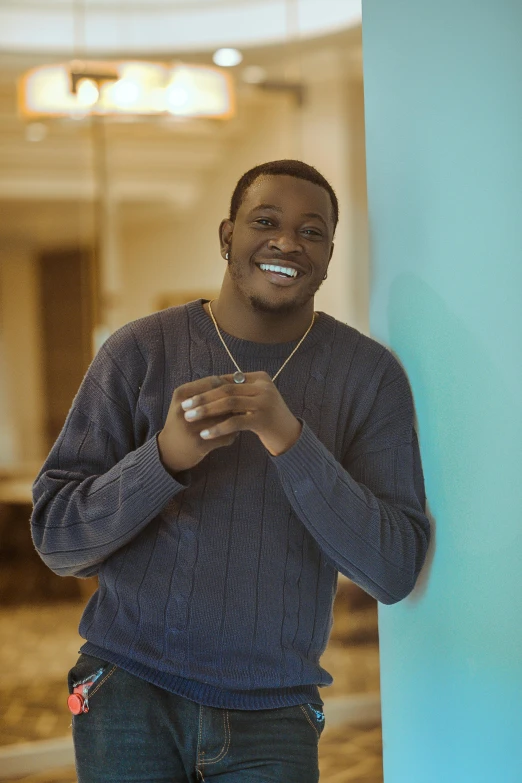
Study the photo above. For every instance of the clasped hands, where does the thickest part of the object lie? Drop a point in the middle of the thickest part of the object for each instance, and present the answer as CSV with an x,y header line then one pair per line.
x,y
209,413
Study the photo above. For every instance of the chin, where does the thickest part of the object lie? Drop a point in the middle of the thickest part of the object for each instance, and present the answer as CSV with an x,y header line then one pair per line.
x,y
263,305
282,305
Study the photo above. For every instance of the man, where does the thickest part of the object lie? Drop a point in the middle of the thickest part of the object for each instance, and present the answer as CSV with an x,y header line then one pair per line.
x,y
221,463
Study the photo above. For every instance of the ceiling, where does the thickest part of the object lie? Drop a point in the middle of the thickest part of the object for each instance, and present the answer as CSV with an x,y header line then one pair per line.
x,y
126,27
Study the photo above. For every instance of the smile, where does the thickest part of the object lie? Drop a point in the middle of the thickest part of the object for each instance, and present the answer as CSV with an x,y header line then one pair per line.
x,y
279,270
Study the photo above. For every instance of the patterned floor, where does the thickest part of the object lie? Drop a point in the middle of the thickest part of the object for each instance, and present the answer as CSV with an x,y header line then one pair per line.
x,y
54,776
38,644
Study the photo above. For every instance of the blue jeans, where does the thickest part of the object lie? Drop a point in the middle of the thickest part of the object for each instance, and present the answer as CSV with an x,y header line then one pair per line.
x,y
135,732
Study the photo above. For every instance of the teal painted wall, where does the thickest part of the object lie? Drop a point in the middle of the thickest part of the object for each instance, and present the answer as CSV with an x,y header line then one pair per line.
x,y
443,95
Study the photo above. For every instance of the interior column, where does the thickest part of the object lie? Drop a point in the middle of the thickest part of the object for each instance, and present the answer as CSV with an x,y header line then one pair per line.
x,y
444,157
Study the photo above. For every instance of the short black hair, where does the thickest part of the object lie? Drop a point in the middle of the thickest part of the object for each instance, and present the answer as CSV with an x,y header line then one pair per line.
x,y
288,168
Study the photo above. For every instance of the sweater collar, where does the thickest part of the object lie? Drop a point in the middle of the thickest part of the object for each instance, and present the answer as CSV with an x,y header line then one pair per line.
x,y
321,330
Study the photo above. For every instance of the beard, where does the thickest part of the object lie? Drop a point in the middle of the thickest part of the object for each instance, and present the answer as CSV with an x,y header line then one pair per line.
x,y
263,304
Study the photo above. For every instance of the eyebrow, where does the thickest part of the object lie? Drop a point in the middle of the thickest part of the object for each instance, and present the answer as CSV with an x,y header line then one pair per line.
x,y
274,208
316,215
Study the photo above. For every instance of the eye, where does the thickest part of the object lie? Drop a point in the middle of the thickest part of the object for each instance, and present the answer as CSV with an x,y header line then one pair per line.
x,y
264,221
312,232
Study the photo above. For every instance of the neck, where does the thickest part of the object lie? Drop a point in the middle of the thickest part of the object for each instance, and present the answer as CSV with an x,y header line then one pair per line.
x,y
237,317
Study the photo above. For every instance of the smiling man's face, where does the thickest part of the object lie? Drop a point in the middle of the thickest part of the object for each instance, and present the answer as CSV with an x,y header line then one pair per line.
x,y
284,223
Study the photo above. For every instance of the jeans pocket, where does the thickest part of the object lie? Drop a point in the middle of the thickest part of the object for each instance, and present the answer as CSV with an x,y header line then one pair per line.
x,y
315,716
85,679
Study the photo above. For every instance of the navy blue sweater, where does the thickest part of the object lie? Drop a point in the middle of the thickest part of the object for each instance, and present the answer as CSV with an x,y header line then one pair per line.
x,y
219,586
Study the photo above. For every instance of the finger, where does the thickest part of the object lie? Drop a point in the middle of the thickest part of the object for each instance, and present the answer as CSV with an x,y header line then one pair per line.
x,y
225,407
195,426
218,442
232,425
227,390
188,390
225,440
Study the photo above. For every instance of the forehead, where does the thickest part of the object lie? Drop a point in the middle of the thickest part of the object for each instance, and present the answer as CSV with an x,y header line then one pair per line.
x,y
290,194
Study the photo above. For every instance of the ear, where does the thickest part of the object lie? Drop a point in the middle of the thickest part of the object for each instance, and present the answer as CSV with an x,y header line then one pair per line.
x,y
226,228
331,252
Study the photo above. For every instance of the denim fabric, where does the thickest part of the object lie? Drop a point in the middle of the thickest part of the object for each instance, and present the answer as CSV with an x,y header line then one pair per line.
x,y
135,732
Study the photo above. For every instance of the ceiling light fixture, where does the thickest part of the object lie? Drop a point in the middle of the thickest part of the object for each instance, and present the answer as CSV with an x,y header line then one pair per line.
x,y
227,58
126,88
87,93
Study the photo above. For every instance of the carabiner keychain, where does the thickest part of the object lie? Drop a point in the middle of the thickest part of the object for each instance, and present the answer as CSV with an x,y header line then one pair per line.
x,y
78,700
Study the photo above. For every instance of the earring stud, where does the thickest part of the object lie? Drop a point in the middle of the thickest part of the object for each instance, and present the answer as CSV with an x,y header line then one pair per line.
x,y
226,256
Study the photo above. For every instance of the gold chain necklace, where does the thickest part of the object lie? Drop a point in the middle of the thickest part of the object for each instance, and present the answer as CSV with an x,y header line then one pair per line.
x,y
239,376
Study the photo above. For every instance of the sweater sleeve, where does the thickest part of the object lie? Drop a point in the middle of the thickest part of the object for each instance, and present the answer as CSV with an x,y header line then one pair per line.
x,y
367,512
98,489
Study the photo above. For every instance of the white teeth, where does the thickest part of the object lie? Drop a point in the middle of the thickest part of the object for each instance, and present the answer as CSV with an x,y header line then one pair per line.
x,y
282,270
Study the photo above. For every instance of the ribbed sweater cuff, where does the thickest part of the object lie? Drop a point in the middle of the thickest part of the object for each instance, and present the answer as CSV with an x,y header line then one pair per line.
x,y
156,482
304,460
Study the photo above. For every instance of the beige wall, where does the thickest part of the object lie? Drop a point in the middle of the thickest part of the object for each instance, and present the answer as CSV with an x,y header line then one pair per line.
x,y
8,438
21,421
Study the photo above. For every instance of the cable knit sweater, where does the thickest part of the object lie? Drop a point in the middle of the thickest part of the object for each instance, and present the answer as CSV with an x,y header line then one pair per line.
x,y
218,584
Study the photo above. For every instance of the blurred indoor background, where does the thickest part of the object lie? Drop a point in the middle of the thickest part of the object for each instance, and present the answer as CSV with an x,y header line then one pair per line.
x,y
109,212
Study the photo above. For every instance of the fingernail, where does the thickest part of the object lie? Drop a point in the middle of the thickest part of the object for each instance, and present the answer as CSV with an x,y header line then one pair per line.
x,y
191,415
205,433
186,404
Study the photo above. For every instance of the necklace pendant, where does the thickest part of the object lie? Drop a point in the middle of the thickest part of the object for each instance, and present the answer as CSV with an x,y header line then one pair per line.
x,y
239,377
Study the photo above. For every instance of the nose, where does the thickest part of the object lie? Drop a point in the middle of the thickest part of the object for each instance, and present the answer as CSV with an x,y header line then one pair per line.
x,y
285,242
